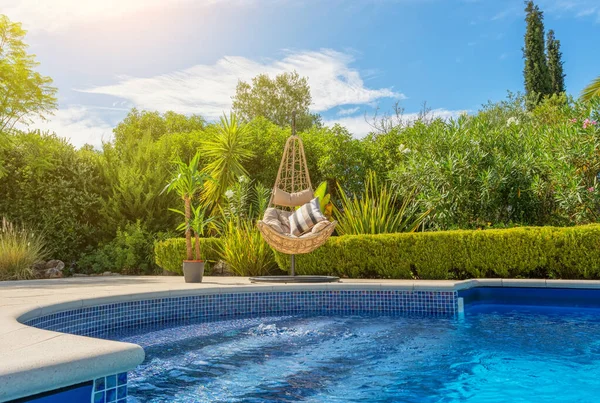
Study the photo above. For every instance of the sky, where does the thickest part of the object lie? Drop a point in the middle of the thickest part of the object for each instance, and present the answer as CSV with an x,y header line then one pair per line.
x,y
360,56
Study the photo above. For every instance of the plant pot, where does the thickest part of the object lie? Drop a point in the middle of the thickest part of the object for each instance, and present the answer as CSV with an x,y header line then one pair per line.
x,y
193,270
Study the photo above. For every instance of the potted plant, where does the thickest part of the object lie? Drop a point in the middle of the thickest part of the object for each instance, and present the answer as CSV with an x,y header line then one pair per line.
x,y
187,183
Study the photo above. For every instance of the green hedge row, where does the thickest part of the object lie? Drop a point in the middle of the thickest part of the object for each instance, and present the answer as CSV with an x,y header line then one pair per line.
x,y
526,252
169,254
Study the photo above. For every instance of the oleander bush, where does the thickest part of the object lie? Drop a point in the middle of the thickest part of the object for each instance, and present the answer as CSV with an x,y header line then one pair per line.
x,y
524,252
170,253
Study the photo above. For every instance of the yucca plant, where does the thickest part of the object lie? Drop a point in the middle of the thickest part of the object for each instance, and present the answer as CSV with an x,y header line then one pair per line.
x,y
19,250
245,251
377,211
226,152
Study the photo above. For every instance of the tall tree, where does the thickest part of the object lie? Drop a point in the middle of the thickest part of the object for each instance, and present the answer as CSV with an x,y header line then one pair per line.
x,y
555,64
537,78
275,99
24,93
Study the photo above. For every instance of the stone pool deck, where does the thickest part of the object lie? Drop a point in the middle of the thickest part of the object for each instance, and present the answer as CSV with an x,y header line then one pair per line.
x,y
34,360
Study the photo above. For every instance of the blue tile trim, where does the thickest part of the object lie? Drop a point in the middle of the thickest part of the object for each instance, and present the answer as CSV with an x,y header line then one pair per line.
x,y
109,388
102,319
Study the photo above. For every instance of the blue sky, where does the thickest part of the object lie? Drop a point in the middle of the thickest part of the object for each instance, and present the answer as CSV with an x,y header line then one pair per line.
x,y
187,55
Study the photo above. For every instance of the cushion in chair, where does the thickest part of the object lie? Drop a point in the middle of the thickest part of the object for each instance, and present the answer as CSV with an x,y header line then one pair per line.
x,y
306,217
281,198
284,219
320,226
271,218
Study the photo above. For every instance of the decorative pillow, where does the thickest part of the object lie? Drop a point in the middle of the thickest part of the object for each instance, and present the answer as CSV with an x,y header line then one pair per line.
x,y
281,198
306,217
271,218
320,226
284,220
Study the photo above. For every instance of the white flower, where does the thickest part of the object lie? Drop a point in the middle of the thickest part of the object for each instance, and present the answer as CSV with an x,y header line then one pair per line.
x,y
229,194
243,179
403,149
512,121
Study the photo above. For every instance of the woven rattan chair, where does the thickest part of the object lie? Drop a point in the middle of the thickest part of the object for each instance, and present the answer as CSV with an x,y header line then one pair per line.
x,y
293,177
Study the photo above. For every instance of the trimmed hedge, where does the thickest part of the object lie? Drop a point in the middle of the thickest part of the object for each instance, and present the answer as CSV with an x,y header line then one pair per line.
x,y
525,252
170,254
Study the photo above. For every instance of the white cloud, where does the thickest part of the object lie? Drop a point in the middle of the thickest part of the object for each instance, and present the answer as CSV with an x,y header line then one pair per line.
x,y
207,89
359,127
347,111
80,125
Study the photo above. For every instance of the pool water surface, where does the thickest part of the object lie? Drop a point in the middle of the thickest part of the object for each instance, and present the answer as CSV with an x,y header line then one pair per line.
x,y
495,353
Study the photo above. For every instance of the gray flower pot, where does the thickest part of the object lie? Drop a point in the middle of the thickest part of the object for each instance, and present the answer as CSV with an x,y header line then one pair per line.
x,y
193,270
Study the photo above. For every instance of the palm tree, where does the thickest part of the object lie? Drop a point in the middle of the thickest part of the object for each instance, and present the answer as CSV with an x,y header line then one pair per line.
x,y
187,183
226,151
591,91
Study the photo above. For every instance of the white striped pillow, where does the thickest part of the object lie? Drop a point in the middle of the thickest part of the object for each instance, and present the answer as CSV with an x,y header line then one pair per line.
x,y
303,219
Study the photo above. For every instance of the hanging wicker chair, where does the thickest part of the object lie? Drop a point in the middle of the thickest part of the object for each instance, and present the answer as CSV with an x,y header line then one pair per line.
x,y
293,177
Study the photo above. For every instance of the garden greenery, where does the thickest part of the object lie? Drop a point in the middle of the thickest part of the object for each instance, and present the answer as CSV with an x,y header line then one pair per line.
x,y
19,250
526,252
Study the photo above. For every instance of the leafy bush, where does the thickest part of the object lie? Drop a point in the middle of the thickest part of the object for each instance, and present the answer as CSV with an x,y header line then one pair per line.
x,y
245,251
553,252
54,189
130,252
170,253
19,250
501,165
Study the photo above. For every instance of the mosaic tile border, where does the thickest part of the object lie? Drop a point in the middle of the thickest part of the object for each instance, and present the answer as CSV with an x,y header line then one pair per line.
x,y
111,388
101,319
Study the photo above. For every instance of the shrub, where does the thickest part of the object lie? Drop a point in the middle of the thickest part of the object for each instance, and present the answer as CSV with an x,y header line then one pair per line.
x,y
170,253
245,251
130,252
501,165
19,250
553,252
53,189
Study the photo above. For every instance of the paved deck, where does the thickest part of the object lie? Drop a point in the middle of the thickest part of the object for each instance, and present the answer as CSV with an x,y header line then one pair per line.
x,y
34,360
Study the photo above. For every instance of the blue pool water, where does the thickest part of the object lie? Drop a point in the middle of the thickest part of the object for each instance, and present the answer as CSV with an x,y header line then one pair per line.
x,y
496,353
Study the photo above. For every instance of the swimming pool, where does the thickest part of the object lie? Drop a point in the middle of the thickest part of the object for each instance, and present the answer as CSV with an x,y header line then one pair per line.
x,y
515,340
498,351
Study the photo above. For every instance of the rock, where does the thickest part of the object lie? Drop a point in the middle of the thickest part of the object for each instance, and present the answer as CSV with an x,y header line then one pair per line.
x,y
54,273
55,264
39,266
110,273
80,275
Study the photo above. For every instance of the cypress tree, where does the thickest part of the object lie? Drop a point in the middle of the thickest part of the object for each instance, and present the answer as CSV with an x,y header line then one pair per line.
x,y
537,79
555,64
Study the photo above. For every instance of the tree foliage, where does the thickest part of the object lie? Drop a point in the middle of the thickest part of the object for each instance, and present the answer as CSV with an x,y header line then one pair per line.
x,y
137,165
24,93
537,78
51,188
275,99
555,64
